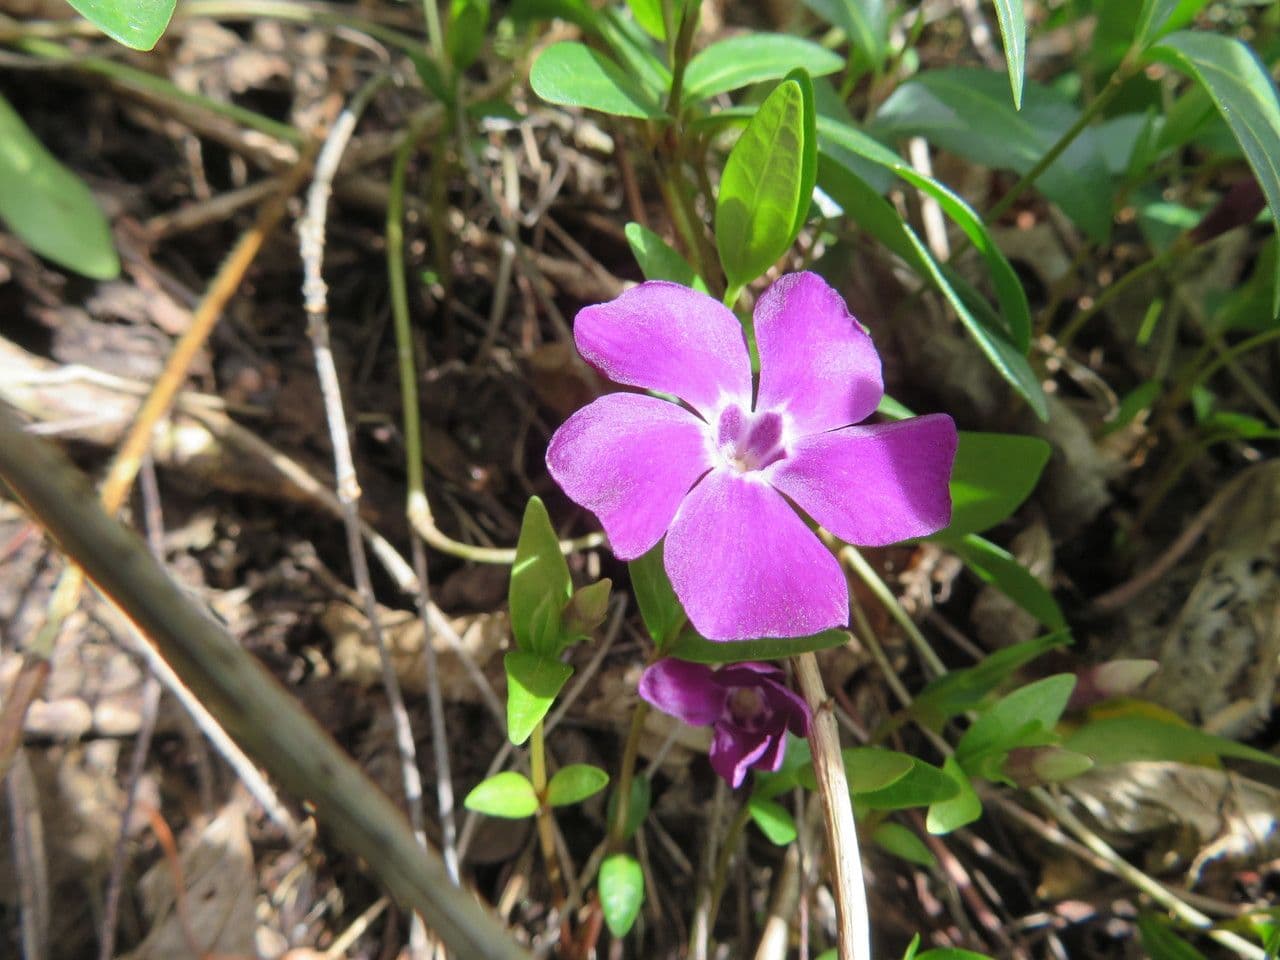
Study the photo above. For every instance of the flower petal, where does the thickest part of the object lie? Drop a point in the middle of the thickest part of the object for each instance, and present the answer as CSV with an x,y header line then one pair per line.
x,y
687,691
816,361
662,336
874,485
744,564
734,752
630,460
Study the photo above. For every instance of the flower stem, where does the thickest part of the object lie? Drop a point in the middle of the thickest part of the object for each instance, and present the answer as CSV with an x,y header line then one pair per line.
x,y
622,808
852,923
727,848
546,830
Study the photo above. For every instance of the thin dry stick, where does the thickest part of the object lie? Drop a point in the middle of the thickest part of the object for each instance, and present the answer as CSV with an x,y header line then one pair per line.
x,y
853,925
315,300
29,861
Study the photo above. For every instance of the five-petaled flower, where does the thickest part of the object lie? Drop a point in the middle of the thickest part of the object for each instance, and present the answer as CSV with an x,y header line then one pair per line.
x,y
715,472
748,704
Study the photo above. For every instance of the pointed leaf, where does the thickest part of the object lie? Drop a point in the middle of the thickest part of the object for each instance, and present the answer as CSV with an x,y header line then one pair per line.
x,y
993,474
540,584
574,783
658,260
773,820
998,567
902,842
621,892
865,23
637,808
1135,736
958,811
135,23
1024,718
574,75
508,794
48,206
464,38
663,616
532,684
1013,31
754,58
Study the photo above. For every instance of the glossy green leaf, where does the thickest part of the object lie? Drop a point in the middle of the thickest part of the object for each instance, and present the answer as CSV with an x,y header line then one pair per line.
x,y
621,892
967,111
1244,94
540,584
574,783
1024,718
658,260
998,567
922,785
958,811
754,58
1136,736
864,22
508,794
572,74
48,206
903,843
533,682
637,808
1009,290
773,820
962,690
464,37
661,611
1158,17
1013,32
135,23
634,50
648,14
767,184
993,474
1159,942
877,216
690,646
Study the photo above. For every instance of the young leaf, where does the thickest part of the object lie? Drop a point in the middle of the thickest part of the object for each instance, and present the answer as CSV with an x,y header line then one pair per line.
x,y
1158,17
954,813
1013,31
621,892
967,111
754,58
540,584
532,684
138,24
574,75
869,769
637,808
1024,718
1246,97
48,206
661,611
690,646
901,842
648,14
951,953
574,783
657,259
585,611
865,23
993,474
996,566
1137,736
508,794
773,820
468,20
767,183
878,217
922,785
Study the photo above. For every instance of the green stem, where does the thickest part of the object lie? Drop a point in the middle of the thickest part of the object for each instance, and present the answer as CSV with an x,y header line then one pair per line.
x,y
622,808
881,589
546,829
680,54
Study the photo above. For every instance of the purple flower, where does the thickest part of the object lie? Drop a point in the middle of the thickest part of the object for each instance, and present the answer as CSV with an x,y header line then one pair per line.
x,y
748,704
715,473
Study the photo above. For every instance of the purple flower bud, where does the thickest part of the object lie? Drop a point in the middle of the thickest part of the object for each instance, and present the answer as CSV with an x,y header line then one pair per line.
x,y
748,706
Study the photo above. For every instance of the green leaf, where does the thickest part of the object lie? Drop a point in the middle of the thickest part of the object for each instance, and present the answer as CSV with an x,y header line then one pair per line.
x,y
540,584
922,786
48,206
532,684
958,811
574,783
1161,943
869,769
697,649
1024,718
135,23
961,690
832,133
754,58
658,260
967,111
507,794
773,820
663,616
648,14
1158,17
574,75
1013,32
864,22
767,184
585,611
993,474
951,953
621,892
637,808
796,770
1135,736
468,20
903,843
1245,96
878,217
998,567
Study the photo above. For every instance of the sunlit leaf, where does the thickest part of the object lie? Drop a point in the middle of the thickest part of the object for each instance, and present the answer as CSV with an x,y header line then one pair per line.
x,y
661,611
658,260
998,567
903,843
135,23
621,892
533,681
754,58
574,75
508,794
993,474
958,811
865,23
574,783
540,584
773,820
